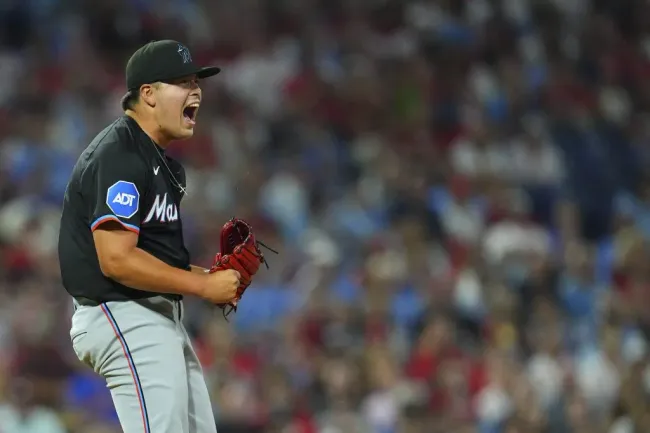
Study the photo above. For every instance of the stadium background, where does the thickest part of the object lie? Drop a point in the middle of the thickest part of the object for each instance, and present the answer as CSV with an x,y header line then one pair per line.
x,y
458,190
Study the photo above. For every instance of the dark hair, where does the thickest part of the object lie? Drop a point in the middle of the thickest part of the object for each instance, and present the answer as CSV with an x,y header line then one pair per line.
x,y
130,99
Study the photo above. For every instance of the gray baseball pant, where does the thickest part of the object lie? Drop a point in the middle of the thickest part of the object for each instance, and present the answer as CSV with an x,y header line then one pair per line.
x,y
142,350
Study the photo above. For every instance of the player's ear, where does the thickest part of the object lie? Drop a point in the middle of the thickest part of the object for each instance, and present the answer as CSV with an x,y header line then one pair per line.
x,y
148,94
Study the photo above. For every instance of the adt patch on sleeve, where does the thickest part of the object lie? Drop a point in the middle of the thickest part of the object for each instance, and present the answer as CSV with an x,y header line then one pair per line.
x,y
123,199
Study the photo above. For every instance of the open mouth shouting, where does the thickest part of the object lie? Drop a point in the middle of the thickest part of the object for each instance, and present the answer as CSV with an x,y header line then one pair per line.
x,y
189,113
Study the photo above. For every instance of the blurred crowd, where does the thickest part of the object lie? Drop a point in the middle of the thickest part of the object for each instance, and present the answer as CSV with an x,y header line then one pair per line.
x,y
457,189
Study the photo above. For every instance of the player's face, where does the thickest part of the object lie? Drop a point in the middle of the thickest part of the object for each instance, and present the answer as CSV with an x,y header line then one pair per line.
x,y
177,104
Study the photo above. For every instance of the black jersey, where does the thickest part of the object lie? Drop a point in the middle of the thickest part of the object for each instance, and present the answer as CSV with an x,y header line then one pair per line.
x,y
122,176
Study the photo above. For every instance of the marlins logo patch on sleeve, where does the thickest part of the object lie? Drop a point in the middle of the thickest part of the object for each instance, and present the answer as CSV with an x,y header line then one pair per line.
x,y
123,199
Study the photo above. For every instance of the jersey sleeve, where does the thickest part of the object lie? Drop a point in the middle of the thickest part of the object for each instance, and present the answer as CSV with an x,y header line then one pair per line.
x,y
114,186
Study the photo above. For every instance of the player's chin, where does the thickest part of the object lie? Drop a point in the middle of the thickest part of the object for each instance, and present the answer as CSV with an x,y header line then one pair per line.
x,y
185,131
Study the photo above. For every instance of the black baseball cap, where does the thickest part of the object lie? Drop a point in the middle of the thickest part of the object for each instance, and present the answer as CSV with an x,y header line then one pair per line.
x,y
163,60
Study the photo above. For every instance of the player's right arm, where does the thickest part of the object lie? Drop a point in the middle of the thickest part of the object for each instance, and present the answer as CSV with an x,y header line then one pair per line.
x,y
112,186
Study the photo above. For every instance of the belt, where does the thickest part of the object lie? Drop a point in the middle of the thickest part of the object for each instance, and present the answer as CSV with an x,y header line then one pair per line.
x,y
165,305
87,302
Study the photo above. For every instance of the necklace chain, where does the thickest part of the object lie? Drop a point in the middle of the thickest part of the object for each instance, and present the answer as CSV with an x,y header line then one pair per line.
x,y
180,187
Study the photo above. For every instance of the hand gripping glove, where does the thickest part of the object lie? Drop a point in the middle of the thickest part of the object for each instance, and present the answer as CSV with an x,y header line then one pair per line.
x,y
239,251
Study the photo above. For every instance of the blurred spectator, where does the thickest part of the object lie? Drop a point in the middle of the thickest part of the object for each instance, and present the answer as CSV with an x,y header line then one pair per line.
x,y
21,415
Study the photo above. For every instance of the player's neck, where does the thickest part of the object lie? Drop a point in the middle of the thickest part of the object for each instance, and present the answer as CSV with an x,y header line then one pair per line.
x,y
150,127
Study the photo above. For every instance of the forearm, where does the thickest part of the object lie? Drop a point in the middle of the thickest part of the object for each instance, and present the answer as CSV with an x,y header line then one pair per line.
x,y
141,270
198,269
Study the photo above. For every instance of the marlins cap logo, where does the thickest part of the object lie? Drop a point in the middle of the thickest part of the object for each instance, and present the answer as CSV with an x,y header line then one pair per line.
x,y
184,52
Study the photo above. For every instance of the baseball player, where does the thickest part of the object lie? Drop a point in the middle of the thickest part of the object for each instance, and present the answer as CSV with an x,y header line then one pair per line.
x,y
122,254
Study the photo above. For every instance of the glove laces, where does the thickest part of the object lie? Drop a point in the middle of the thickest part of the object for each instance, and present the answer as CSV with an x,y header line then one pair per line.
x,y
225,310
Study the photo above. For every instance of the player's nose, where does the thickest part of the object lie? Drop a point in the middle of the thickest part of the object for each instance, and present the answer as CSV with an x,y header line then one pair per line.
x,y
195,85
195,94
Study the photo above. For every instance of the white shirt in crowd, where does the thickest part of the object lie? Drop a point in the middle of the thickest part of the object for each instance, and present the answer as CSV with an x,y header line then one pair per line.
x,y
540,164
38,420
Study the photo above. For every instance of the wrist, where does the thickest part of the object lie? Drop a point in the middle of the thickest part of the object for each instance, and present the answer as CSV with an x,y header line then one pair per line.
x,y
198,269
197,284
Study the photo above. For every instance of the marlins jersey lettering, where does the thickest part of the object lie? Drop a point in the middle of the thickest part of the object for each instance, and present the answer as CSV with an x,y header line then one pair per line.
x,y
120,177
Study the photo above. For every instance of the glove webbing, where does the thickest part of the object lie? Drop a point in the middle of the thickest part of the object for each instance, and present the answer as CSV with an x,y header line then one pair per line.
x,y
233,308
